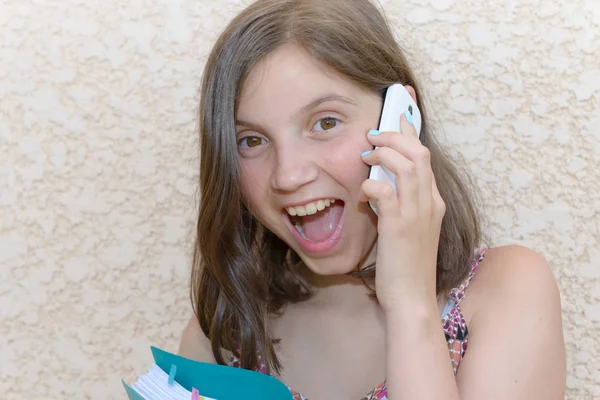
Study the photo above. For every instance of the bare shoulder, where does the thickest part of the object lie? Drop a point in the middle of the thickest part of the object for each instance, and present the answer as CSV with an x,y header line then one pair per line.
x,y
194,344
513,311
512,274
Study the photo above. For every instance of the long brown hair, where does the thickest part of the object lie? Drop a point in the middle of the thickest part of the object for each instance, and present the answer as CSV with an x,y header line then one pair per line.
x,y
241,271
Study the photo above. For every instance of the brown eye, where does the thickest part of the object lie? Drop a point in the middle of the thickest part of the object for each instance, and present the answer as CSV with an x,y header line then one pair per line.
x,y
251,141
326,124
254,141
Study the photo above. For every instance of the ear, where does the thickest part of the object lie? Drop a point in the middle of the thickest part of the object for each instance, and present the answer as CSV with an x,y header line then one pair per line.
x,y
412,92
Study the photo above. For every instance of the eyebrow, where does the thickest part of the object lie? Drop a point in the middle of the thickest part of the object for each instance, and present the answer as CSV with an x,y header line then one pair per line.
x,y
310,106
324,99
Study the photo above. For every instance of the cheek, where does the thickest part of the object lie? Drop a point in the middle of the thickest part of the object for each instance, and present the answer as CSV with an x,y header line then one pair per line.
x,y
344,160
253,186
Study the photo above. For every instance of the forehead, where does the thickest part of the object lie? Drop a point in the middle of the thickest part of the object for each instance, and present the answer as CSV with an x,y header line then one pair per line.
x,y
290,78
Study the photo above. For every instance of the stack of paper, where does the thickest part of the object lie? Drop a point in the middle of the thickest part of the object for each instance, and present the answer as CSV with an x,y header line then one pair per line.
x,y
154,386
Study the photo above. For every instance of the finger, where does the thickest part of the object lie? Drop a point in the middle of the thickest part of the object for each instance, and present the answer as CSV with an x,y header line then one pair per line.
x,y
407,145
411,148
439,205
406,125
382,193
407,185
421,156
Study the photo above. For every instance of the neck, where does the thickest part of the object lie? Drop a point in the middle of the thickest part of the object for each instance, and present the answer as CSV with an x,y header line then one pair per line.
x,y
343,289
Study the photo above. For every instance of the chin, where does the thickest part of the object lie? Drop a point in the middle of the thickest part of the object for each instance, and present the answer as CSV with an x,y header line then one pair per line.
x,y
333,265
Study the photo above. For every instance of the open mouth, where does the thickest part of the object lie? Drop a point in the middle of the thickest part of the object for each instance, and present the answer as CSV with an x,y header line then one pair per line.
x,y
317,221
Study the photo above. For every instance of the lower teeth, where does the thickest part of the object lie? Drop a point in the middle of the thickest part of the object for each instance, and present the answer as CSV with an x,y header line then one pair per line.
x,y
297,222
300,230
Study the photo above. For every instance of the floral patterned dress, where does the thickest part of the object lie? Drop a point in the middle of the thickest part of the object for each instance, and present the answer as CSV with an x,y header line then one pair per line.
x,y
453,323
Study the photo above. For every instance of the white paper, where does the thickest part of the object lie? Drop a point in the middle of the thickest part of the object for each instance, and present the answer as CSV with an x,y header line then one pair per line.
x,y
154,385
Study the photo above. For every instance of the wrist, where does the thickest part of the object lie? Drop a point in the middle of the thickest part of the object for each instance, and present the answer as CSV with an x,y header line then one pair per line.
x,y
418,310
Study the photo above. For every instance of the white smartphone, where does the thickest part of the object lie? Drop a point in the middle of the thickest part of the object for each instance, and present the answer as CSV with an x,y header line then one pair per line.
x,y
397,102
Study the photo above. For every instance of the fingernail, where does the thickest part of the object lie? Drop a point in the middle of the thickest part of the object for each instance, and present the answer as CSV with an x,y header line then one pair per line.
x,y
365,153
374,132
408,116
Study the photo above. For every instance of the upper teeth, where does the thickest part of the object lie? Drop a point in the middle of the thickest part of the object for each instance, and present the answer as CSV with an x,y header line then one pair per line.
x,y
310,208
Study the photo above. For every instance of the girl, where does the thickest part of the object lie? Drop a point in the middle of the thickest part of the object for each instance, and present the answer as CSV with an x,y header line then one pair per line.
x,y
295,276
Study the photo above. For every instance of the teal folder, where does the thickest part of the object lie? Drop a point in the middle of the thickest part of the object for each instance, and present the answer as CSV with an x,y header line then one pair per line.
x,y
219,382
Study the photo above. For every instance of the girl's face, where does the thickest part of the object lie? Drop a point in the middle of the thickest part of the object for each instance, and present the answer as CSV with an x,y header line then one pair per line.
x,y
301,129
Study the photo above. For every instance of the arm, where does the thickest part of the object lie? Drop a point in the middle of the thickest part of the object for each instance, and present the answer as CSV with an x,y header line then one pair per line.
x,y
516,348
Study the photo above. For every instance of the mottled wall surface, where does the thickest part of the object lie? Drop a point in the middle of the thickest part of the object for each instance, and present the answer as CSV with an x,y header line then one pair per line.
x,y
98,167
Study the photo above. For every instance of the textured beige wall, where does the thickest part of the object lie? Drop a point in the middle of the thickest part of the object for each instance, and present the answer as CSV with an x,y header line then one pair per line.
x,y
98,160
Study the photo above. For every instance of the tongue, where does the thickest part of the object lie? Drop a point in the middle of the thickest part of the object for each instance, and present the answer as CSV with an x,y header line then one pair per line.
x,y
320,226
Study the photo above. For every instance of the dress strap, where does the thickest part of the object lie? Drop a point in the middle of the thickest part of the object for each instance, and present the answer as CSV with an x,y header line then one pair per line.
x,y
458,293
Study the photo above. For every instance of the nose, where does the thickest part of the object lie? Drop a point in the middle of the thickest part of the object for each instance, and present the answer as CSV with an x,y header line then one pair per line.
x,y
294,168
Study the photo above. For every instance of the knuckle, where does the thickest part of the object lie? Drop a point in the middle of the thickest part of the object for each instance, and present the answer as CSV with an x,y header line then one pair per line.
x,y
387,192
408,168
424,153
385,151
440,206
